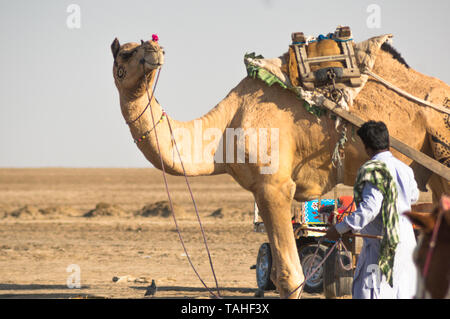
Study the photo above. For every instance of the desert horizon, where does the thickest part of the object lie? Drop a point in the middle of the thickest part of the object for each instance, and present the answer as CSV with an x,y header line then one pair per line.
x,y
114,225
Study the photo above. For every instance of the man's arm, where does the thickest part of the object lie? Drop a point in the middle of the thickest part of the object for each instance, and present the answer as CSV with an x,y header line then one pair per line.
x,y
368,209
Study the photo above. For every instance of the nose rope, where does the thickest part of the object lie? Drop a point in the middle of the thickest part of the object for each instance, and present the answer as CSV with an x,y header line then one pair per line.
x,y
170,199
196,211
150,99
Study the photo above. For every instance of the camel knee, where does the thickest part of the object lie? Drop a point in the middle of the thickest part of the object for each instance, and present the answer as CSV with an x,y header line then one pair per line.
x,y
287,272
288,282
275,194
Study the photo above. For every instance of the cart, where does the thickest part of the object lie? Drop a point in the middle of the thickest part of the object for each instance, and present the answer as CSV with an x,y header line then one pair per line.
x,y
332,278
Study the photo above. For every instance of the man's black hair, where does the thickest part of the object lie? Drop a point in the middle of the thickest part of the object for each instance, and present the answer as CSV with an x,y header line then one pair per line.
x,y
374,135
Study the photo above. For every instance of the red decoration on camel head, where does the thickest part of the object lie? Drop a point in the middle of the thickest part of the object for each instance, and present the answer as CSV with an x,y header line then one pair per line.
x,y
155,37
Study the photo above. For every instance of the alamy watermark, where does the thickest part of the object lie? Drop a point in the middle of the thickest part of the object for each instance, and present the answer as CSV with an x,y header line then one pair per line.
x,y
73,20
258,145
374,19
74,279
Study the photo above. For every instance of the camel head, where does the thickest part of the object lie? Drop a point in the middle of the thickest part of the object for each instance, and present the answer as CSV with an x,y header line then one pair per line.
x,y
132,61
437,283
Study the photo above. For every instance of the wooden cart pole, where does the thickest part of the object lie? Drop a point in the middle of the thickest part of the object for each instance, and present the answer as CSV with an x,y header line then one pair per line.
x,y
406,150
345,235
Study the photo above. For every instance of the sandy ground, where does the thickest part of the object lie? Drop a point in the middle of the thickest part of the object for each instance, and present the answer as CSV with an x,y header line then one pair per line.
x,y
46,240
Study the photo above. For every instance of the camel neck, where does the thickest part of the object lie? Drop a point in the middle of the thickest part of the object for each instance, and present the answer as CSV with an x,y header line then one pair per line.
x,y
134,103
201,141
134,110
197,139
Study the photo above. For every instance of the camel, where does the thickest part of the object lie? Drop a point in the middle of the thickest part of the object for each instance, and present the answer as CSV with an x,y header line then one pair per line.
x,y
436,282
304,169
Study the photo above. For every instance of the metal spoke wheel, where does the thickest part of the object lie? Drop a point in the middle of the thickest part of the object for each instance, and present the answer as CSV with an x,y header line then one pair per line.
x,y
264,267
309,263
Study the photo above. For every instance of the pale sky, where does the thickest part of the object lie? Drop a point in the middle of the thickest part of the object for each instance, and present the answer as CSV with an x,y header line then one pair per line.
x,y
58,103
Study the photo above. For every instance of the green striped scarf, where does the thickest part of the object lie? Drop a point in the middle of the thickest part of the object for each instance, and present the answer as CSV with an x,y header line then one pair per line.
x,y
377,173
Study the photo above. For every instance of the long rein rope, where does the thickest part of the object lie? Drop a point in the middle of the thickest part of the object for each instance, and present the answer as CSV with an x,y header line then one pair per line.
x,y
311,273
168,192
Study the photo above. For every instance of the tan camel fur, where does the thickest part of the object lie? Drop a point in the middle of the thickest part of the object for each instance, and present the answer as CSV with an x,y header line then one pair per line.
x,y
305,144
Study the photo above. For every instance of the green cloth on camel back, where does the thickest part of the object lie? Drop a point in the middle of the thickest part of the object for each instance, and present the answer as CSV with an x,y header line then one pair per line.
x,y
377,173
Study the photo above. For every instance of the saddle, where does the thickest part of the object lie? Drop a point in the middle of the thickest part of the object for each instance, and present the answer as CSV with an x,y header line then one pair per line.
x,y
317,68
315,62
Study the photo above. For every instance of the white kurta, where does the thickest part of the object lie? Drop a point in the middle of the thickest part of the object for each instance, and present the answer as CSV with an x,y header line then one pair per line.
x,y
368,220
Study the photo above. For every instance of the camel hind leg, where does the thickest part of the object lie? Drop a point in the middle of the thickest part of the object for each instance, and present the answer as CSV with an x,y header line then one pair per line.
x,y
274,203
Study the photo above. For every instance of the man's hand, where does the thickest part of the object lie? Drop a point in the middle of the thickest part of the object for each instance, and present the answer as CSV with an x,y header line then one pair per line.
x,y
332,234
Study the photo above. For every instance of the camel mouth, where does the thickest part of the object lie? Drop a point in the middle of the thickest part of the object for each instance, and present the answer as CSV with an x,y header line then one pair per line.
x,y
152,59
152,55
151,64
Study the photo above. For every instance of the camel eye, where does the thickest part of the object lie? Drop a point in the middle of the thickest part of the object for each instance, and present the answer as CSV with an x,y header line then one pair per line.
x,y
120,72
127,55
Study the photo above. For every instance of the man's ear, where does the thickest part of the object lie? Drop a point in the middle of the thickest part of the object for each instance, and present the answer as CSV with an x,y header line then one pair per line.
x,y
425,221
115,47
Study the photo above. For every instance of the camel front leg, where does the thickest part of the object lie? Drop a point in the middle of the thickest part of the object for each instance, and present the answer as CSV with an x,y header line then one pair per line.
x,y
274,203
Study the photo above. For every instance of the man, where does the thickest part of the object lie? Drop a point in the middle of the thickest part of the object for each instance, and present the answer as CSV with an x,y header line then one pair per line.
x,y
384,189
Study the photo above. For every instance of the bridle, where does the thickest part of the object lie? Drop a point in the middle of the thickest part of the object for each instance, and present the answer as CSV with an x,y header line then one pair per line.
x,y
142,61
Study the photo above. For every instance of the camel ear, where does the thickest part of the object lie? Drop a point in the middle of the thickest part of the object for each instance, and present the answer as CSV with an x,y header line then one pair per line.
x,y
425,221
115,47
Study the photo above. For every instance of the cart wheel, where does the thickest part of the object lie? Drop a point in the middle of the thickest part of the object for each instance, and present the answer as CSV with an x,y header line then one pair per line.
x,y
306,253
337,281
264,267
